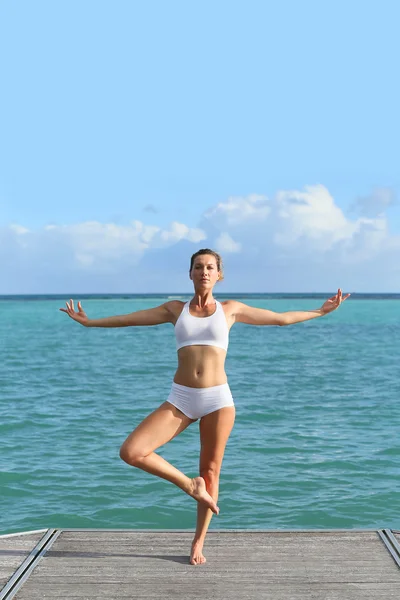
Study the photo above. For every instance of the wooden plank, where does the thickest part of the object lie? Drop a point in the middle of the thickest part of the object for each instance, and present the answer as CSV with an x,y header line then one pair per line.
x,y
206,590
284,565
21,533
13,551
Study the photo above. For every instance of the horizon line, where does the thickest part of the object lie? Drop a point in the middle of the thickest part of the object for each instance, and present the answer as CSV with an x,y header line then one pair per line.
x,y
170,294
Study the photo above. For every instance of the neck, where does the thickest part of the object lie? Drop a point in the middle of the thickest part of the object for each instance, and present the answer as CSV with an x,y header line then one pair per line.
x,y
202,300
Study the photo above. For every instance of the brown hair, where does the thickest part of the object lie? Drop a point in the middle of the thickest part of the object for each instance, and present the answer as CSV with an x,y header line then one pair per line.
x,y
214,254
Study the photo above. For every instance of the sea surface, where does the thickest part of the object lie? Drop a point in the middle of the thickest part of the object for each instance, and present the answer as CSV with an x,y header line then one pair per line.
x,y
316,442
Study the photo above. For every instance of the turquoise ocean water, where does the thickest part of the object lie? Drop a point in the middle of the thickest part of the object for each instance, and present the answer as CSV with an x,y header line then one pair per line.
x,y
316,442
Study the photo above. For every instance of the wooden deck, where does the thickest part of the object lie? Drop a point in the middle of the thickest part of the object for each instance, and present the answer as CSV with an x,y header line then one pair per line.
x,y
241,564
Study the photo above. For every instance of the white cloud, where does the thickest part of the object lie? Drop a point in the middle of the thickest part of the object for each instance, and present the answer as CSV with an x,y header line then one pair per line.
x,y
179,231
237,210
102,244
295,224
312,215
146,232
224,243
298,240
19,229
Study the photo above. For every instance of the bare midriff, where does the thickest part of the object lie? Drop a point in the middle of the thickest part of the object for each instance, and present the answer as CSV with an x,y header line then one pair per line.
x,y
199,365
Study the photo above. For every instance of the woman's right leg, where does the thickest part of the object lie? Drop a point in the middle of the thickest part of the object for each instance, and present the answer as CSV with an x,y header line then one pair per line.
x,y
158,428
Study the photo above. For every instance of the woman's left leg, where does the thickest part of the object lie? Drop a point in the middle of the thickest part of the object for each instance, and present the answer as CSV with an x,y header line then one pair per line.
x,y
215,429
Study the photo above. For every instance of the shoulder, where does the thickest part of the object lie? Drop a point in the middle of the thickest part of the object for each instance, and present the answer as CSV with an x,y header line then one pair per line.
x,y
174,303
231,307
174,307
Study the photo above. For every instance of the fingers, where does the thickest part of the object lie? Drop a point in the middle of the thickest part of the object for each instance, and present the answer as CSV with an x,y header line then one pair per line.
x,y
336,298
339,296
70,307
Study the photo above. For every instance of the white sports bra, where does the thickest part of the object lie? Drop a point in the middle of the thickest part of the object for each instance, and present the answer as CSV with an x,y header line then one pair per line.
x,y
203,331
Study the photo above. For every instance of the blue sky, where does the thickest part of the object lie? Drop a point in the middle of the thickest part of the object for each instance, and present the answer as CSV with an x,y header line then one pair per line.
x,y
134,133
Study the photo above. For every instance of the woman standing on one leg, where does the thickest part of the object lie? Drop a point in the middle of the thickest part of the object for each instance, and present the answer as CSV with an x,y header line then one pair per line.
x,y
200,389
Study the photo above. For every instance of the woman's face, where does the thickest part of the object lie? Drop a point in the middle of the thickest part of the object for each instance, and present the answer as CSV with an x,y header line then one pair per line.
x,y
204,273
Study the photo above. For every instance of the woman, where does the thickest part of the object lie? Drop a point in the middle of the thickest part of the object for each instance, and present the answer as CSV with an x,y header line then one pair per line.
x,y
200,390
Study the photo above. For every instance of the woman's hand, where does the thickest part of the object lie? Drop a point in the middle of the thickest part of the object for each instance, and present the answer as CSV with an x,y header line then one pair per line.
x,y
79,316
333,302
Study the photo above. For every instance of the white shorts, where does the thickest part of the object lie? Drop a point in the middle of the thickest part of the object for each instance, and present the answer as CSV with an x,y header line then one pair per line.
x,y
198,402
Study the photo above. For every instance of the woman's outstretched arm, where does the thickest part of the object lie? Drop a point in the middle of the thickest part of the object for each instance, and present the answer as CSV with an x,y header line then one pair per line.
x,y
260,316
152,316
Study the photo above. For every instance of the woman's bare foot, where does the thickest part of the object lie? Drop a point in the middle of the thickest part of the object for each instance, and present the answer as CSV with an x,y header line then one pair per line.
x,y
199,493
197,557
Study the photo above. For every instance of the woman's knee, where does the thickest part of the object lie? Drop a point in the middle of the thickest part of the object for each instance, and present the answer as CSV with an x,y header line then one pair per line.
x,y
131,455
